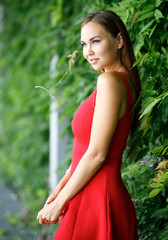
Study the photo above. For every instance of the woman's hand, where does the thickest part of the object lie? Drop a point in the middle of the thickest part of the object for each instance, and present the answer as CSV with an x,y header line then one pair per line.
x,y
61,184
50,213
53,207
53,195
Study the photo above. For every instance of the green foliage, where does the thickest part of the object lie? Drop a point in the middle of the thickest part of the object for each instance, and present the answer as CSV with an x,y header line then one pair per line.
x,y
35,31
158,185
24,111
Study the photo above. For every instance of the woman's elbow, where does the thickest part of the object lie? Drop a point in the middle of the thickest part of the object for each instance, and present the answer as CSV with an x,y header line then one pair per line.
x,y
100,159
97,157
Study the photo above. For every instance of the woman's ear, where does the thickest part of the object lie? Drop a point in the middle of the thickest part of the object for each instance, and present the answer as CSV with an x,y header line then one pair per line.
x,y
120,41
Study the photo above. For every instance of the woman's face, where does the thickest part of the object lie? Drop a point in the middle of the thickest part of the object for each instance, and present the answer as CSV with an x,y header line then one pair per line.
x,y
99,47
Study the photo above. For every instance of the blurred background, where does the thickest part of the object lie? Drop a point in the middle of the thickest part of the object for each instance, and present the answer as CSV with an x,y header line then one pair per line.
x,y
44,78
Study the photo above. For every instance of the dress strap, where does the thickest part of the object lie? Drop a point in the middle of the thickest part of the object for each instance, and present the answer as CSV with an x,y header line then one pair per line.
x,y
128,91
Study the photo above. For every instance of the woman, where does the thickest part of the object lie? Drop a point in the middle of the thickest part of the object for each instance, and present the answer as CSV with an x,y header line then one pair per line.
x,y
91,197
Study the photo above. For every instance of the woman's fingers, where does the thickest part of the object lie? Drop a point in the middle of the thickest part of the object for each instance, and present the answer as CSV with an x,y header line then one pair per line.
x,y
41,220
44,218
50,213
52,197
38,215
47,221
55,221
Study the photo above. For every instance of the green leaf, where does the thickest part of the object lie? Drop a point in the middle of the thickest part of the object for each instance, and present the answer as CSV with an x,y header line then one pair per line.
x,y
141,59
155,185
165,151
147,26
154,192
163,212
158,14
164,50
145,124
157,149
164,233
145,16
163,95
164,178
158,2
153,29
155,180
149,108
147,8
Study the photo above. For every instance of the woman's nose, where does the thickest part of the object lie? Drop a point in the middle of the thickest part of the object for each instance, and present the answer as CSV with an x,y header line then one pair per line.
x,y
89,50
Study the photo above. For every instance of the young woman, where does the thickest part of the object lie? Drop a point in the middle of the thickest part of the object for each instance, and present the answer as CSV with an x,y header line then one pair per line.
x,y
91,197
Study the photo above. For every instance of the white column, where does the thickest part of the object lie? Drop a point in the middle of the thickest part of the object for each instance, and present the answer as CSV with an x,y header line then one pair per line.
x,y
53,133
54,145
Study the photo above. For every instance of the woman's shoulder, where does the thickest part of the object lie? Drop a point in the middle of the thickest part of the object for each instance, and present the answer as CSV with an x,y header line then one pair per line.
x,y
112,81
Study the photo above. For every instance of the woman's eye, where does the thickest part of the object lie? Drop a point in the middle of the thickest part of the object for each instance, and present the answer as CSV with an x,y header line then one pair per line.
x,y
83,44
96,41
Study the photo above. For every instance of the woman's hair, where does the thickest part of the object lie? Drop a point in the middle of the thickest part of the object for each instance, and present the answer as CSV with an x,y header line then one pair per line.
x,y
113,24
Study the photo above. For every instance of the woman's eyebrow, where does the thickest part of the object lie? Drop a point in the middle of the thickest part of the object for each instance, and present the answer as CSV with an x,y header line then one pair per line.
x,y
91,38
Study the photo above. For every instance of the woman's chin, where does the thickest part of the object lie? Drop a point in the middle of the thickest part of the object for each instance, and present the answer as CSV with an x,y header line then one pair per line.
x,y
97,68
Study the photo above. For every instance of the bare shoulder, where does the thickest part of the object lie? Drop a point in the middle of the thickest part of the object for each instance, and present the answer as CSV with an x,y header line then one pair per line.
x,y
112,81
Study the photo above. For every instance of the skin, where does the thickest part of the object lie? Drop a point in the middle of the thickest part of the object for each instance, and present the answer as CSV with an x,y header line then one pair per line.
x,y
99,44
102,51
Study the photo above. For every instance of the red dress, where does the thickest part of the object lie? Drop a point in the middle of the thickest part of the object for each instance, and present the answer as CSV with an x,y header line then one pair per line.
x,y
103,209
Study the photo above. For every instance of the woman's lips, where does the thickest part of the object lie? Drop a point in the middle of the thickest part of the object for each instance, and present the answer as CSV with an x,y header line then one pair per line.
x,y
93,60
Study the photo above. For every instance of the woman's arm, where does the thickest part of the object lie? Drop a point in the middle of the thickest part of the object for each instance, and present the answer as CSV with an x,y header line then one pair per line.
x,y
111,102
55,193
59,187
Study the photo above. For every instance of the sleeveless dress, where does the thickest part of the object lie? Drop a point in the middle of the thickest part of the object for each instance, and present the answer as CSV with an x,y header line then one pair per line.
x,y
103,209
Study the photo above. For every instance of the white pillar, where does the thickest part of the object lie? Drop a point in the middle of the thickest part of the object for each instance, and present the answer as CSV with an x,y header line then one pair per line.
x,y
54,133
54,145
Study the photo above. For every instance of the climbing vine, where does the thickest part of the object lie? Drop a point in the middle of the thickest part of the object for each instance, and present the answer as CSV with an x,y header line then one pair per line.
x,y
35,31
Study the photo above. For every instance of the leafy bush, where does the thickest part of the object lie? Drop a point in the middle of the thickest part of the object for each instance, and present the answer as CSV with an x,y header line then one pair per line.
x,y
35,31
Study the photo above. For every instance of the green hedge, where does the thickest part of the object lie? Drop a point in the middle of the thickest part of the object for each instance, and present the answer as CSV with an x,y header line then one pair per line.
x,y
33,32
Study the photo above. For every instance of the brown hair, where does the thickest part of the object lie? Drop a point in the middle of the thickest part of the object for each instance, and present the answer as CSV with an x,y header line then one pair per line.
x,y
113,24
